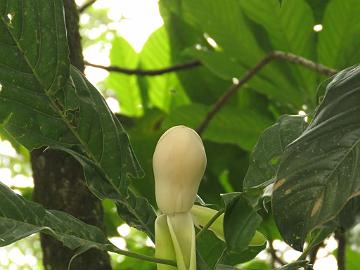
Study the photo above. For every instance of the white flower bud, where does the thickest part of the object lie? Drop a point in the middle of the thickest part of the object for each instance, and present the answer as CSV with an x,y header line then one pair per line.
x,y
179,163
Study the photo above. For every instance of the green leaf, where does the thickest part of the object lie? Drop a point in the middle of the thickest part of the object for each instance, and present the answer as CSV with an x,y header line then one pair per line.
x,y
319,172
125,86
294,266
20,218
207,87
290,29
165,91
266,155
234,257
340,35
225,267
230,125
239,44
352,259
43,105
210,247
240,224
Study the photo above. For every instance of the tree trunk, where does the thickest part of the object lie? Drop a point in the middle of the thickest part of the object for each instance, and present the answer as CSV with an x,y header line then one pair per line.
x,y
59,181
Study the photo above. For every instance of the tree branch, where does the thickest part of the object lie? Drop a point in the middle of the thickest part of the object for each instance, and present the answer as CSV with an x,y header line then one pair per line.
x,y
86,5
141,72
276,55
274,256
211,221
341,250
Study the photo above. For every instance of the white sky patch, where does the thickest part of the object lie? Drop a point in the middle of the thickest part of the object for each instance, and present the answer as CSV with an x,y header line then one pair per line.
x,y
123,230
6,149
97,54
134,20
318,27
149,242
119,242
211,41
328,263
235,80
113,104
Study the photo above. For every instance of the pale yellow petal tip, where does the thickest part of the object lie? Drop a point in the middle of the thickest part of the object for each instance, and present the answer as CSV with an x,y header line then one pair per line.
x,y
258,239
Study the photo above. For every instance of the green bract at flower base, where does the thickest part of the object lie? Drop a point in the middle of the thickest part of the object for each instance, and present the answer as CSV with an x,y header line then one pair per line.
x,y
202,215
164,245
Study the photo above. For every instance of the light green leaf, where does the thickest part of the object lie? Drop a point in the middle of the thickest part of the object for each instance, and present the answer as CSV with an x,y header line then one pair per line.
x,y
125,86
319,171
165,91
339,39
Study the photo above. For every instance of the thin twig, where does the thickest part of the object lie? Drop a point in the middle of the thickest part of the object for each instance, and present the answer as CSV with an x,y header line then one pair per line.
x,y
274,256
313,253
211,221
86,5
142,72
141,256
252,72
341,250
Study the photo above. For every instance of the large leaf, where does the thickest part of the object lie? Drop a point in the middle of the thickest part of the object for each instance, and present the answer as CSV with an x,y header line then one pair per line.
x,y
340,35
41,105
290,28
265,157
239,44
20,218
319,172
207,87
240,224
230,125
125,86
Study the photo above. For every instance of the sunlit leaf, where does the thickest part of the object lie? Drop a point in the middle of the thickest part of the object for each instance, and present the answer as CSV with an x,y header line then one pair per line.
x,y
125,87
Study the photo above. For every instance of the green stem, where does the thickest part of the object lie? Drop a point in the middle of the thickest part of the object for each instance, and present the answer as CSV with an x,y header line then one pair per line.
x,y
211,221
319,237
141,256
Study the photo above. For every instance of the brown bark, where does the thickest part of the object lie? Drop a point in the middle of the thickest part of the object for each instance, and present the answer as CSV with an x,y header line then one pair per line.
x,y
59,181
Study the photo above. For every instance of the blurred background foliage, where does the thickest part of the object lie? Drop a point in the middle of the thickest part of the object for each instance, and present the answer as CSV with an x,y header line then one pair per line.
x,y
227,37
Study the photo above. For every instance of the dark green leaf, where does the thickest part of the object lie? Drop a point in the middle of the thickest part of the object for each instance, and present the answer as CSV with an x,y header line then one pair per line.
x,y
294,265
210,248
234,258
225,267
319,171
43,105
20,218
240,224
266,155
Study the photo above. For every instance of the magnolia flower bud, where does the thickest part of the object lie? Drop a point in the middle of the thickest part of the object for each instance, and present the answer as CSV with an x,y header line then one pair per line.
x,y
179,163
